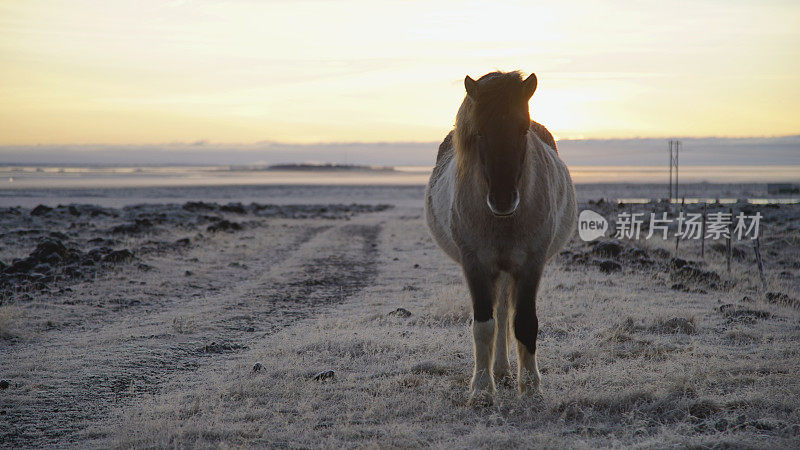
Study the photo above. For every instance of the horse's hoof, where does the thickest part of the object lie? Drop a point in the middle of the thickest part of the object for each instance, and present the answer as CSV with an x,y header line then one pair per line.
x,y
504,379
481,398
481,387
501,370
532,393
529,386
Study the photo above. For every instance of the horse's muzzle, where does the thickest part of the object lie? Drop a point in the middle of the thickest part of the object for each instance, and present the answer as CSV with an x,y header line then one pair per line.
x,y
503,208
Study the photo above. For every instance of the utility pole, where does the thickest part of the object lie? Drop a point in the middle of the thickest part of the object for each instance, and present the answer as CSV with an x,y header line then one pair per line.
x,y
674,150
669,197
677,152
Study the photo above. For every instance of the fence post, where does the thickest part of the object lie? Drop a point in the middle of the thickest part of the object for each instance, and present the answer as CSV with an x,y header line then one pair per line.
x,y
757,250
703,234
677,235
728,243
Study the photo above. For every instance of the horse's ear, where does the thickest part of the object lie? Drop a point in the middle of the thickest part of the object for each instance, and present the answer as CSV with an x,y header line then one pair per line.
x,y
529,85
472,87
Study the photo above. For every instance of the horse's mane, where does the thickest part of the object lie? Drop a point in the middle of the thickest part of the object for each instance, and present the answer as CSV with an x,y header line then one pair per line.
x,y
544,134
496,89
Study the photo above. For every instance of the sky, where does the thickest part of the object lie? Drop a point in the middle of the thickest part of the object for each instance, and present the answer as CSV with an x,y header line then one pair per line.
x,y
299,72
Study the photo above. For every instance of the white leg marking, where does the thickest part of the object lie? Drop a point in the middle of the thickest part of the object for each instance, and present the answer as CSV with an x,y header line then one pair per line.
x,y
482,384
501,368
528,377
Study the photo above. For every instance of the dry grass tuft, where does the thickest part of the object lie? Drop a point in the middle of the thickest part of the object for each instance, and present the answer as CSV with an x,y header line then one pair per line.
x,y
12,322
451,306
184,325
674,325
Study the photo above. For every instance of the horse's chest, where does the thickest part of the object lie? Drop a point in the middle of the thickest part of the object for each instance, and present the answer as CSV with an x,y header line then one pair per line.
x,y
509,259
503,250
504,244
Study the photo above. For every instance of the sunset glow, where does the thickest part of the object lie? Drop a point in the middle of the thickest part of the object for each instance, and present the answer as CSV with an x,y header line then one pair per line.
x,y
244,71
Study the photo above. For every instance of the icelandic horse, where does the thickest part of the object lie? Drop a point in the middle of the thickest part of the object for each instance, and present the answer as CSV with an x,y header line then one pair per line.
x,y
500,202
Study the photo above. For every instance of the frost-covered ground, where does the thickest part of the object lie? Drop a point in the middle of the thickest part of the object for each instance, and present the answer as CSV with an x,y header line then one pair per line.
x,y
212,334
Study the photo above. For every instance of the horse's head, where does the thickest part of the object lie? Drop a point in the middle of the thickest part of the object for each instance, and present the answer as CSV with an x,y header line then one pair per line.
x,y
500,122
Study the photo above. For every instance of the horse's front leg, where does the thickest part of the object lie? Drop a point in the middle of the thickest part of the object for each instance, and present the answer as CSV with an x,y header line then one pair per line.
x,y
501,367
526,327
481,288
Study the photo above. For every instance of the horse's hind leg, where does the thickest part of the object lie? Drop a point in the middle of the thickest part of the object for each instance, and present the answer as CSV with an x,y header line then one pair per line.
x,y
501,367
526,327
481,287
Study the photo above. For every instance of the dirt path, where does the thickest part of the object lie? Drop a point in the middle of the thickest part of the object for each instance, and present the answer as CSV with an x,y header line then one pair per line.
x,y
103,344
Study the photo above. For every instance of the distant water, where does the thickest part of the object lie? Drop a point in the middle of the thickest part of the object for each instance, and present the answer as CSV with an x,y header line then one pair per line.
x,y
172,176
32,177
411,195
687,174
